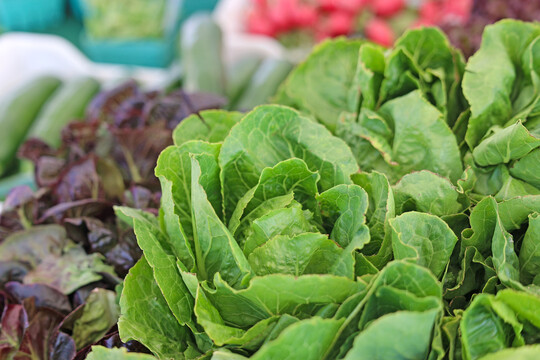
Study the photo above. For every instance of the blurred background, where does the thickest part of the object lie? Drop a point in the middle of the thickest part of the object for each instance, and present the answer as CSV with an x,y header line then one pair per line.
x,y
237,50
68,37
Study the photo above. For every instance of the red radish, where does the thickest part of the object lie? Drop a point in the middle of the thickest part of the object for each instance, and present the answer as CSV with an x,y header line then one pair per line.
x,y
258,24
430,12
352,6
305,16
457,10
340,23
261,4
329,5
281,15
377,30
387,8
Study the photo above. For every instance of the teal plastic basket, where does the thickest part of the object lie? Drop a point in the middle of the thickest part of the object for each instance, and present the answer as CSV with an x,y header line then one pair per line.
x,y
151,53
31,15
76,7
190,7
137,52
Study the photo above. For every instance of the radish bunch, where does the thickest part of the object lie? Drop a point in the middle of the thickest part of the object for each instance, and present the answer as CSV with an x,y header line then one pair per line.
x,y
378,20
435,12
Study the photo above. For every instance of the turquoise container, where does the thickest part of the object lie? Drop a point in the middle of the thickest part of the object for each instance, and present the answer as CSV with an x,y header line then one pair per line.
x,y
31,15
137,52
151,53
189,7
76,7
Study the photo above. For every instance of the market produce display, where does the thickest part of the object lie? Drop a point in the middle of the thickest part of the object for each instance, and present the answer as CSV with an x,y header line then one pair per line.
x,y
394,217
384,206
63,252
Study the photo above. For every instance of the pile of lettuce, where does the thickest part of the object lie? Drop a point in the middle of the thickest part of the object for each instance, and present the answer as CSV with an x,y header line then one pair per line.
x,y
389,211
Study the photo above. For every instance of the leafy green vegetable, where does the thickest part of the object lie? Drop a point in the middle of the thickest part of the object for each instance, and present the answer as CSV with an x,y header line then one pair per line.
x,y
506,144
523,353
427,192
403,226
215,248
162,259
210,125
271,134
529,255
493,323
306,339
375,342
422,140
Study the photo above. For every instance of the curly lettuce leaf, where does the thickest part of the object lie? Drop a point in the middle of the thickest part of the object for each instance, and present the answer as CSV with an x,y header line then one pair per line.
x,y
423,238
270,134
422,139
